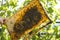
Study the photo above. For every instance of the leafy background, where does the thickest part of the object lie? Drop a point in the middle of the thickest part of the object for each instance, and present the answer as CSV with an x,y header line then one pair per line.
x,y
51,32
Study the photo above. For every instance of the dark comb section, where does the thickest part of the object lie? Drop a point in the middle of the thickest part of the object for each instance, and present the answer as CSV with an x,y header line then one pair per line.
x,y
32,17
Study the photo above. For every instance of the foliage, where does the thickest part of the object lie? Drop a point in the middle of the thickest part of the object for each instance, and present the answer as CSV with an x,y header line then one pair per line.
x,y
51,32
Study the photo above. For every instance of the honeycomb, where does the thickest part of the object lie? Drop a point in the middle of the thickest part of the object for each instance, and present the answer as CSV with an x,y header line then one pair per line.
x,y
26,19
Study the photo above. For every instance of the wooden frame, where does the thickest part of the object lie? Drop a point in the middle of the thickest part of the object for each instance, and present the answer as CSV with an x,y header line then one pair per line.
x,y
20,18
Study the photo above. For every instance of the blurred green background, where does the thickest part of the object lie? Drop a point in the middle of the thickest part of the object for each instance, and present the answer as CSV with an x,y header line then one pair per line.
x,y
51,32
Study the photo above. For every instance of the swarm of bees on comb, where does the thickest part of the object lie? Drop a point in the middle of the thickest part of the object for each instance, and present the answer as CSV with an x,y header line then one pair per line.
x,y
26,19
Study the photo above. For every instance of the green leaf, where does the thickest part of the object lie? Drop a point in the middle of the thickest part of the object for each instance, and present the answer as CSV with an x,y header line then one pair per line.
x,y
57,36
2,13
3,38
3,28
41,0
33,37
1,8
1,32
26,2
50,10
12,4
8,13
